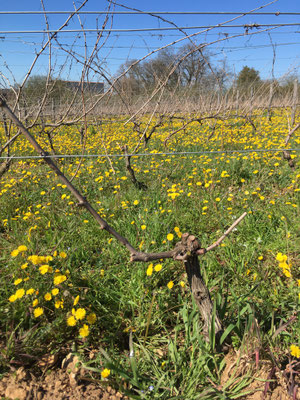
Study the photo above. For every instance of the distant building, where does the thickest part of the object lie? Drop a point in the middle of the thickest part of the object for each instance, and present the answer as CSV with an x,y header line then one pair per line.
x,y
93,87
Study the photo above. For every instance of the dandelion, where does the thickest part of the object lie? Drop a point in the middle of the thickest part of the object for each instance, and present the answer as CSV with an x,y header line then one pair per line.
x,y
62,254
59,279
35,302
59,304
170,237
105,373
295,351
136,202
260,258
182,284
55,292
44,269
71,321
24,266
149,270
30,291
91,318
22,248
76,300
38,312
170,285
12,298
18,281
20,293
102,272
281,257
84,331
158,267
48,296
80,313
14,253
143,227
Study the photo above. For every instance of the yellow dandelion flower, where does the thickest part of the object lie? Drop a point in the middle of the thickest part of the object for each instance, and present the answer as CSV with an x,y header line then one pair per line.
x,y
158,267
35,302
71,321
62,254
38,312
170,285
12,298
14,253
18,281
91,318
84,331
22,248
105,373
182,284
20,293
55,292
30,291
170,237
143,227
76,300
149,270
48,296
59,304
80,313
44,269
295,351
59,279
136,202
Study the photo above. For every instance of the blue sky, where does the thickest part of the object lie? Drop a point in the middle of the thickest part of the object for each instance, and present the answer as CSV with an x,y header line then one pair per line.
x,y
17,50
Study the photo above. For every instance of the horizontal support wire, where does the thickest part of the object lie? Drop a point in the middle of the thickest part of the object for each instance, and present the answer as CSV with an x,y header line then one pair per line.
x,y
147,154
275,13
93,30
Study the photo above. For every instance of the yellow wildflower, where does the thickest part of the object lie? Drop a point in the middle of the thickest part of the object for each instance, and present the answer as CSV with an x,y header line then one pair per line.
x,y
22,248
170,285
38,312
14,253
12,298
295,351
84,331
91,318
149,270
105,373
76,300
158,267
48,296
71,321
19,293
80,313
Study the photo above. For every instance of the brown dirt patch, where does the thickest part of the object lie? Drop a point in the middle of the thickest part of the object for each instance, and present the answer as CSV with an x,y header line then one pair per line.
x,y
263,383
59,385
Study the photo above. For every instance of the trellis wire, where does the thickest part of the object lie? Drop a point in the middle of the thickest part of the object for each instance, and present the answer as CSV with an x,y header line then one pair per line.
x,y
146,154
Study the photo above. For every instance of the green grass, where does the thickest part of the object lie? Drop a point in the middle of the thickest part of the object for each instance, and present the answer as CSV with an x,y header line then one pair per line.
x,y
137,313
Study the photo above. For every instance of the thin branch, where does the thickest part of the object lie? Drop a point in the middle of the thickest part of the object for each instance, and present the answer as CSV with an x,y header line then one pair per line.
x,y
290,134
218,242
